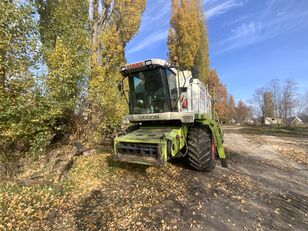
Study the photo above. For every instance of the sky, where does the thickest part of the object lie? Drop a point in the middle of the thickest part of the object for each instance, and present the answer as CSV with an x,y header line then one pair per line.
x,y
250,41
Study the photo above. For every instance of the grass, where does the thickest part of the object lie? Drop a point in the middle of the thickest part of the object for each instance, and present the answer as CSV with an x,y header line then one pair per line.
x,y
276,131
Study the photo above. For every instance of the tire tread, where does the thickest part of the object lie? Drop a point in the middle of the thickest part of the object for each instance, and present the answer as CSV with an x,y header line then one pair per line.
x,y
199,149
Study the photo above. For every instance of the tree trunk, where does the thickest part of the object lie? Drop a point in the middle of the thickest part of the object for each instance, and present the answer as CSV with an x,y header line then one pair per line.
x,y
94,59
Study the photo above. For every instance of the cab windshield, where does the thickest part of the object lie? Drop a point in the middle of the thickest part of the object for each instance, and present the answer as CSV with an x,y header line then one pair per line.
x,y
150,92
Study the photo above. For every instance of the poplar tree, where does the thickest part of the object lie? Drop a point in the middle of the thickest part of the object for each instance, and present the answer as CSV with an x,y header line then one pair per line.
x,y
268,107
231,109
64,30
202,63
187,38
56,66
21,126
112,28
185,34
83,52
188,41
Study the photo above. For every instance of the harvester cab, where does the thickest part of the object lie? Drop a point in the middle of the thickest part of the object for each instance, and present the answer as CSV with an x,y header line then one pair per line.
x,y
171,115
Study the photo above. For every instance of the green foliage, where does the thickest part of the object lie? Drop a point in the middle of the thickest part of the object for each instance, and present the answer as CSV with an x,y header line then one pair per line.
x,y
64,29
17,44
21,121
62,81
113,33
48,76
23,128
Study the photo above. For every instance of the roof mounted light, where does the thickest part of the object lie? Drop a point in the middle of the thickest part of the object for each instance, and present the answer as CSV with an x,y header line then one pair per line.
x,y
148,62
124,70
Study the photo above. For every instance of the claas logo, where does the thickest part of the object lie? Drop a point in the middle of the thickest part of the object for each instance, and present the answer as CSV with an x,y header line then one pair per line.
x,y
135,65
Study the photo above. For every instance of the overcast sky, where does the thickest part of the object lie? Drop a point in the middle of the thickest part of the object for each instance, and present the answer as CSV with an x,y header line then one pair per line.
x,y
250,41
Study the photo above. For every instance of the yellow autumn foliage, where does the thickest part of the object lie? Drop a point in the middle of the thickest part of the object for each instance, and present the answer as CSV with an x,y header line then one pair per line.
x,y
184,35
107,105
56,75
187,38
202,63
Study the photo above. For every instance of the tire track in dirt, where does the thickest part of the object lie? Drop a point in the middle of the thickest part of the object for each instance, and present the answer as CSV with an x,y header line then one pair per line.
x,y
282,182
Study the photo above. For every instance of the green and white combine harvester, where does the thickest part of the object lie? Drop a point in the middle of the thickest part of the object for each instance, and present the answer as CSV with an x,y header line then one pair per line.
x,y
171,115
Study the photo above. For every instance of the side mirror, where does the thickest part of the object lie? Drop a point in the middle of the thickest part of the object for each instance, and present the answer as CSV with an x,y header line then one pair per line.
x,y
120,86
194,73
183,89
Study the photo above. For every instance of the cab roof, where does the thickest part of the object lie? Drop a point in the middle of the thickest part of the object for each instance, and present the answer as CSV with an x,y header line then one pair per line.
x,y
143,65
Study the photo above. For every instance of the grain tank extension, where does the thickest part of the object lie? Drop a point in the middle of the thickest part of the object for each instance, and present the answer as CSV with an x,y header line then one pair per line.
x,y
171,115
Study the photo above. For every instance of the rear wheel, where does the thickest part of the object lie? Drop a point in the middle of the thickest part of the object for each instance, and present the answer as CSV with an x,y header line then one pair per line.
x,y
200,149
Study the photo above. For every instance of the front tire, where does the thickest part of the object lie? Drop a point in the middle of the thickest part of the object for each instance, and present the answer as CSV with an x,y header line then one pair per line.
x,y
200,149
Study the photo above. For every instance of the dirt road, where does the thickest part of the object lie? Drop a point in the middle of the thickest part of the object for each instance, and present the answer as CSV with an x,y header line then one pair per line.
x,y
263,189
279,193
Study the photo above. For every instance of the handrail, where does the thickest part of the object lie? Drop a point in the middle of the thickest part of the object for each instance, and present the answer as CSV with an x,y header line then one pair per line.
x,y
219,123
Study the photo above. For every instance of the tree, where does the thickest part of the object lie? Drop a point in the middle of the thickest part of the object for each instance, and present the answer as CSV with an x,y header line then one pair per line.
x,y
113,27
18,50
84,54
243,112
263,100
64,33
48,75
268,105
22,125
301,104
185,34
202,63
303,112
221,102
258,101
288,102
219,92
231,109
277,100
275,88
306,104
188,42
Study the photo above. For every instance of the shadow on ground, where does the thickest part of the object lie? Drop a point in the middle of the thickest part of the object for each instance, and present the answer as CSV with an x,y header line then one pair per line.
x,y
254,193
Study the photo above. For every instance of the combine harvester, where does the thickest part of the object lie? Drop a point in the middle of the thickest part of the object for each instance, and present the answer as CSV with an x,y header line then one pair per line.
x,y
171,115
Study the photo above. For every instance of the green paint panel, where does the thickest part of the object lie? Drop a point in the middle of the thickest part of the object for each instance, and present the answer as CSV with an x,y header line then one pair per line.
x,y
169,141
217,134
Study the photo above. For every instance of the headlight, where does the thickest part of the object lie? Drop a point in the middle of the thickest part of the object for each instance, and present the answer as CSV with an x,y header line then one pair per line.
x,y
125,121
187,119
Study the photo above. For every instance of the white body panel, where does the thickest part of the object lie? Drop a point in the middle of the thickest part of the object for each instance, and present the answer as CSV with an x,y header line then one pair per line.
x,y
185,117
197,95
